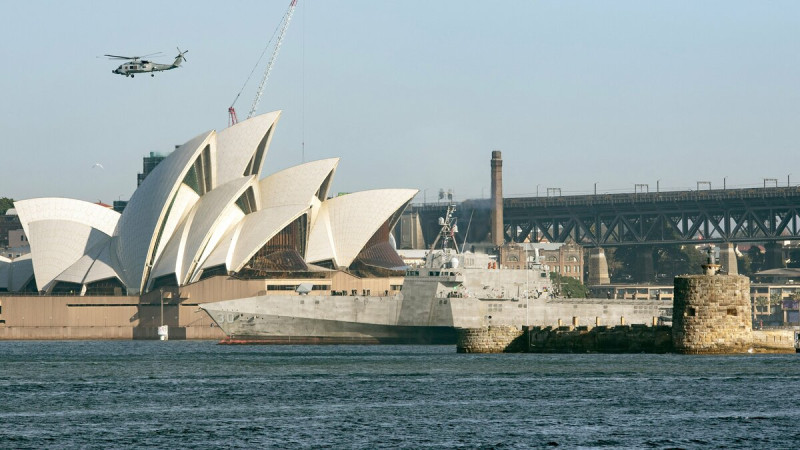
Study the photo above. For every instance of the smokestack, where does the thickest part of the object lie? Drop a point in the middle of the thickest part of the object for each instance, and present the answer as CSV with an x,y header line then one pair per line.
x,y
497,199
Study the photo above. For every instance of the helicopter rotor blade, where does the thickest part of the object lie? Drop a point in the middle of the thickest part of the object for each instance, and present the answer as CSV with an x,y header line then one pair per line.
x,y
132,58
182,53
121,57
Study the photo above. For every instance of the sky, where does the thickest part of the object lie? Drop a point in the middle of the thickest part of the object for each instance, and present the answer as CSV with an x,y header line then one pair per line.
x,y
411,94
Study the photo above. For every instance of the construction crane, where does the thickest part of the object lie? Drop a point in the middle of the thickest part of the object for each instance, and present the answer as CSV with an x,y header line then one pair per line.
x,y
284,25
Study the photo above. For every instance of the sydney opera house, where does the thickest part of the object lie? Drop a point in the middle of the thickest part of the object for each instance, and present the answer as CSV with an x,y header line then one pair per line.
x,y
203,214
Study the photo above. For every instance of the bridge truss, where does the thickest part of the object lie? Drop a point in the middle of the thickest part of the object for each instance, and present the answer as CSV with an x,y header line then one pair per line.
x,y
731,215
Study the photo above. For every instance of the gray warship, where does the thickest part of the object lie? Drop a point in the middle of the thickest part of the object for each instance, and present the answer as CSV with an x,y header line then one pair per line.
x,y
452,289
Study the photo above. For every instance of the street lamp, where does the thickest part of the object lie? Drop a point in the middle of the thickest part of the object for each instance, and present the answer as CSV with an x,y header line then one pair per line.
x,y
161,297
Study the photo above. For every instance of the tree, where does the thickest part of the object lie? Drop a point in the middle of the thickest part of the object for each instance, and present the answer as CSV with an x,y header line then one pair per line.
x,y
568,287
6,204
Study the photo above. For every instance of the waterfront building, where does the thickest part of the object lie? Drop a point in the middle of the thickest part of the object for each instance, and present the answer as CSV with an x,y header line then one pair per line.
x,y
8,222
565,259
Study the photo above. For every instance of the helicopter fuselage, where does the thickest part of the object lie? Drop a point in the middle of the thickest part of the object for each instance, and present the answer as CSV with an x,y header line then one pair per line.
x,y
135,64
134,67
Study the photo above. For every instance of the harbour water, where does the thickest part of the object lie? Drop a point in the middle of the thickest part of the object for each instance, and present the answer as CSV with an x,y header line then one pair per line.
x,y
198,394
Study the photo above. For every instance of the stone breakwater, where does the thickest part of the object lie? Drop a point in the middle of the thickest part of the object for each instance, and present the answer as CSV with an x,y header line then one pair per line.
x,y
600,339
566,339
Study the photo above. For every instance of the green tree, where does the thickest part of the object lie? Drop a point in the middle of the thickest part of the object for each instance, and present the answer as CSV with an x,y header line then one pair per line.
x,y
568,287
5,204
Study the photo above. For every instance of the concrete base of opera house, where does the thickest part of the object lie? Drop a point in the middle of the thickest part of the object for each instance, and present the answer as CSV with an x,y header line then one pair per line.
x,y
99,317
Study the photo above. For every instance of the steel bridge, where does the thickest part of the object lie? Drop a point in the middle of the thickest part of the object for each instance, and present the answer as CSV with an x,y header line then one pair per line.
x,y
612,220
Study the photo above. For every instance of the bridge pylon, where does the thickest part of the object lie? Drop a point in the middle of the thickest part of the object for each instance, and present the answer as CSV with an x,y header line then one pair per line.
x,y
645,271
727,258
598,267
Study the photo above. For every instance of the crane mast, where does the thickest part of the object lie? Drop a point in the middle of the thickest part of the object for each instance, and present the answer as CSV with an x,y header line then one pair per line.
x,y
272,58
232,119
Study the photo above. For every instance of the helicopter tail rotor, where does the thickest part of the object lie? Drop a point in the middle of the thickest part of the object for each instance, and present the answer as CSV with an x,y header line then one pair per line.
x,y
181,54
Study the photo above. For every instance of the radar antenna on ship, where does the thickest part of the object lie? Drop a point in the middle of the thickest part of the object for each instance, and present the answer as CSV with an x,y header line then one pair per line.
x,y
449,229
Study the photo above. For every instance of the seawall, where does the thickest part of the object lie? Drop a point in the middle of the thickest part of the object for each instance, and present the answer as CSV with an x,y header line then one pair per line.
x,y
492,339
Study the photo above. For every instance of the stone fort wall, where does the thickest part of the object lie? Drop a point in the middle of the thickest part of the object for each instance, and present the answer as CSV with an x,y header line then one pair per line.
x,y
711,314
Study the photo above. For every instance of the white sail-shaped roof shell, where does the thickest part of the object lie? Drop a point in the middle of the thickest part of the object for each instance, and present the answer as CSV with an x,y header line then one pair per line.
x,y
61,231
58,244
97,264
239,144
185,199
68,209
103,267
222,252
297,185
346,223
76,273
147,210
208,220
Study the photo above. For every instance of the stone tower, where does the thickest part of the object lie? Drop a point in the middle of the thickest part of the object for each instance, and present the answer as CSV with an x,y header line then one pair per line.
x,y
498,232
711,313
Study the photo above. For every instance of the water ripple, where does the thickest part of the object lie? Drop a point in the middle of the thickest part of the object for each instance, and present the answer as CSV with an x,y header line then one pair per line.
x,y
197,394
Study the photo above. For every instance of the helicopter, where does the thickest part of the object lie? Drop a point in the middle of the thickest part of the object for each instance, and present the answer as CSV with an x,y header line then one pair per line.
x,y
136,64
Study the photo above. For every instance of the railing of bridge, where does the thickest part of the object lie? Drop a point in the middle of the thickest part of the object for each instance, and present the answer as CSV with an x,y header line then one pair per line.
x,y
654,197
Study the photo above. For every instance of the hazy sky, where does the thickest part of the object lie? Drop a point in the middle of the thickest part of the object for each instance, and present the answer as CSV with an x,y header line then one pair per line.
x,y
411,93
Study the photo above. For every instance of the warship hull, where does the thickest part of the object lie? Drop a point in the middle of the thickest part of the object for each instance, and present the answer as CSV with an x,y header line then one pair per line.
x,y
323,319
290,319
296,331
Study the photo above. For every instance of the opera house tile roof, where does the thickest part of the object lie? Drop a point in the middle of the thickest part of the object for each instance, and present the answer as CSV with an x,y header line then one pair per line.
x,y
201,212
